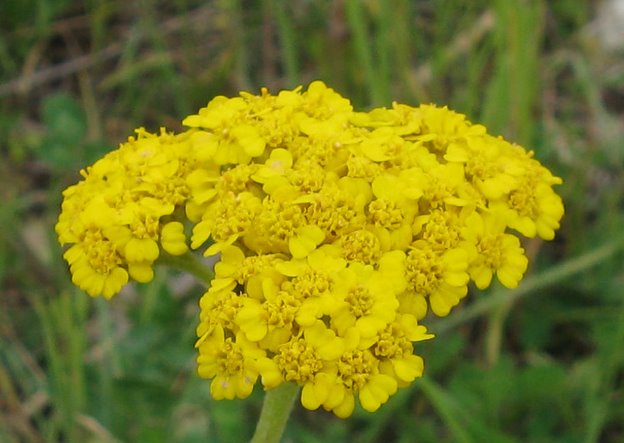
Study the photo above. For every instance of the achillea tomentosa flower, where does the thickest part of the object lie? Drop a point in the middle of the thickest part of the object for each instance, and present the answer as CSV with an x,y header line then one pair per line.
x,y
336,232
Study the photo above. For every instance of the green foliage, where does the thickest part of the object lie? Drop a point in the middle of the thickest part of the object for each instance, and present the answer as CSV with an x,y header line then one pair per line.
x,y
543,363
66,126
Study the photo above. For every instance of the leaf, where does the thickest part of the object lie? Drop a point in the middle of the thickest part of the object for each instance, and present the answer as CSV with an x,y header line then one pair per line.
x,y
465,426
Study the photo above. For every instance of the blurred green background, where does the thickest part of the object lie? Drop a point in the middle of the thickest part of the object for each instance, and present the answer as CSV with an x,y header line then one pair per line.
x,y
544,363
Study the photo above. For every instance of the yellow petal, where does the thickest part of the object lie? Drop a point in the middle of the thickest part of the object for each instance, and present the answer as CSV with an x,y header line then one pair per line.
x,y
309,399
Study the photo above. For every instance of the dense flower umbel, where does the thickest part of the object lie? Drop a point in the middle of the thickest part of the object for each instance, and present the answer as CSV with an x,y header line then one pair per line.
x,y
336,232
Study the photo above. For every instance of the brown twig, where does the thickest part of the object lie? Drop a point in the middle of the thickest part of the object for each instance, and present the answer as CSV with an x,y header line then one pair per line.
x,y
28,82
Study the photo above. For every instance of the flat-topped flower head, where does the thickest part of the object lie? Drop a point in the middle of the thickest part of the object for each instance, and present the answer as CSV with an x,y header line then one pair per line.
x,y
333,233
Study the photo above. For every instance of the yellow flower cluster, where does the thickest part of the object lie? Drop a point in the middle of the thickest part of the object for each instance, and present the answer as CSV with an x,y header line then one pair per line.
x,y
128,207
336,232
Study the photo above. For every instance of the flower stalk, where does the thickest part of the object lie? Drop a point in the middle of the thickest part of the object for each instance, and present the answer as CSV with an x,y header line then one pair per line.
x,y
187,263
278,404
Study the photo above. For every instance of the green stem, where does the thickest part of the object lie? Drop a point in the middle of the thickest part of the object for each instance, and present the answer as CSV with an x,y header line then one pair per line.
x,y
288,42
276,409
187,263
356,21
494,335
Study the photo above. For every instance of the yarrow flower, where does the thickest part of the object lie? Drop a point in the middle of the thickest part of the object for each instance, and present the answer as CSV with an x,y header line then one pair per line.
x,y
335,232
